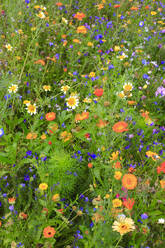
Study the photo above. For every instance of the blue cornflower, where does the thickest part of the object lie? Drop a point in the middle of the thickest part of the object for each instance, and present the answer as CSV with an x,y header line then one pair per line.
x,y
144,216
141,24
1,132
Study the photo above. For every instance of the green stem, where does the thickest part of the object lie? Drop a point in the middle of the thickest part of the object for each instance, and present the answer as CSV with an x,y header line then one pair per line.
x,y
118,241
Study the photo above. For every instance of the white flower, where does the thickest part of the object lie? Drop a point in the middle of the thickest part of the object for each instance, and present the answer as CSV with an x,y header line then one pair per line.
x,y
13,88
161,221
41,15
9,47
72,101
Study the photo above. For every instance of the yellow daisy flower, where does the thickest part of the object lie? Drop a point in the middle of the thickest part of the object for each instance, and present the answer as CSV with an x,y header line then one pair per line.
x,y
31,108
123,225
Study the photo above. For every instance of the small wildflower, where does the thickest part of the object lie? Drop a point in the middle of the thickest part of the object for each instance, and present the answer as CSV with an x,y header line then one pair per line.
x,y
41,15
13,88
9,47
47,87
43,186
31,109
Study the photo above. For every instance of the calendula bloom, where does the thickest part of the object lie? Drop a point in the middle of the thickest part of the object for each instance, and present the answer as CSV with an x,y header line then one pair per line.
x,y
83,116
102,123
31,109
120,127
65,88
23,216
92,74
76,41
114,155
41,15
79,16
47,87
52,128
31,136
121,94
59,4
123,225
56,197
127,87
117,203
161,168
128,203
13,88
116,6
153,13
65,136
72,101
43,136
129,181
50,116
90,44
98,92
117,175
162,184
152,155
81,30
49,232
9,47
11,200
43,186
87,100
117,48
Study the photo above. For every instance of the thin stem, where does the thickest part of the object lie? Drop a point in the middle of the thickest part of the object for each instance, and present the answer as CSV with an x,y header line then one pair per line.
x,y
119,241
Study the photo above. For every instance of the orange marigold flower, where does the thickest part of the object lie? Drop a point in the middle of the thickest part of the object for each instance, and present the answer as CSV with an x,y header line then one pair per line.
x,y
102,123
59,4
40,61
134,8
98,92
11,200
120,127
162,184
79,16
49,232
116,6
50,116
117,165
129,203
81,30
23,216
56,197
31,136
129,181
117,175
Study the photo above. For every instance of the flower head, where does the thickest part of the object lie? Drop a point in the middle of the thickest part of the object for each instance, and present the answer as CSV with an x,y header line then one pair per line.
x,y
72,101
117,203
9,47
81,30
65,88
1,132
120,127
13,88
47,87
123,225
98,92
129,181
49,232
50,116
43,186
31,109
41,15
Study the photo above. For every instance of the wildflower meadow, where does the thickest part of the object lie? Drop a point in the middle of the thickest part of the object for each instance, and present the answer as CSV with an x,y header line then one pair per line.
x,y
82,124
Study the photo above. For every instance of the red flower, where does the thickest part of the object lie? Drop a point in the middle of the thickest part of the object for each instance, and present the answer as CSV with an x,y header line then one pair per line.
x,y
90,165
50,116
87,135
116,6
129,203
98,92
120,127
161,168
